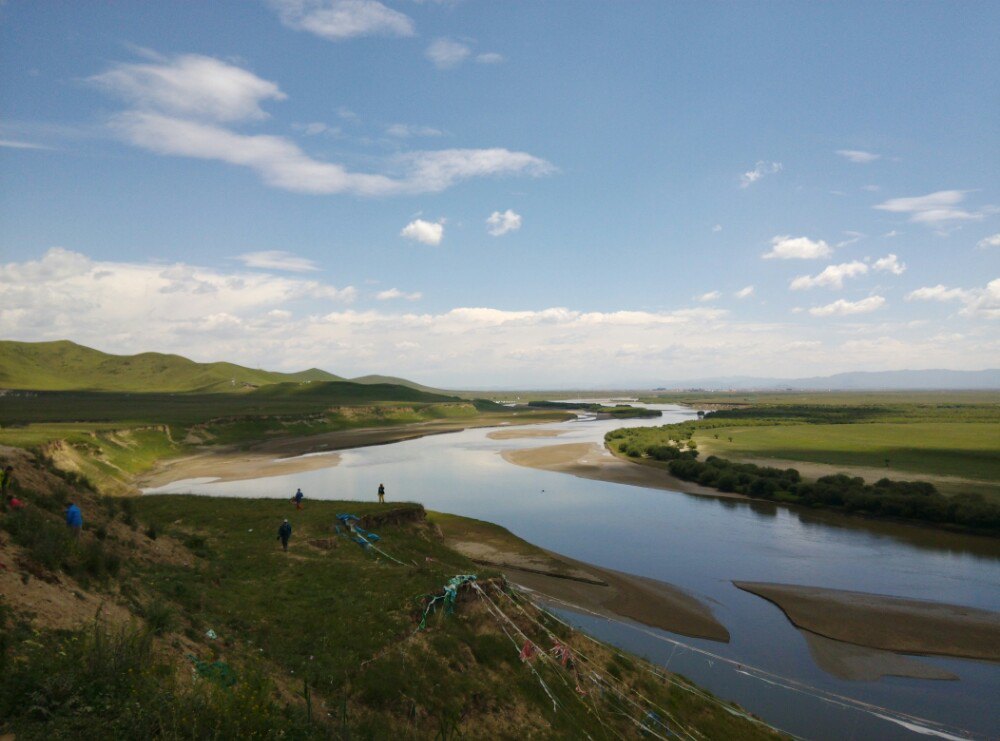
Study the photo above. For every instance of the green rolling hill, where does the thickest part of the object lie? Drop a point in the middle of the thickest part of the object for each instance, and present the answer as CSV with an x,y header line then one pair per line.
x,y
65,366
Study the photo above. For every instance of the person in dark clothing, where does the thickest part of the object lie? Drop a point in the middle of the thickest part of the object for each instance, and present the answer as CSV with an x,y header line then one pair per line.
x,y
381,493
6,479
299,496
284,533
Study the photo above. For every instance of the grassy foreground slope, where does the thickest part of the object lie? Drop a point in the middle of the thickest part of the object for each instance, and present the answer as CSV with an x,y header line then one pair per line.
x,y
180,617
64,365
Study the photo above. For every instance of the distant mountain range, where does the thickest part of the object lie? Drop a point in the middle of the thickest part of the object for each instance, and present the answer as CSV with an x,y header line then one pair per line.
x,y
901,380
66,366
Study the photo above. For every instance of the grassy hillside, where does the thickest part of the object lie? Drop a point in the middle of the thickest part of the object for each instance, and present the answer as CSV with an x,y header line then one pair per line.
x,y
180,617
396,381
64,365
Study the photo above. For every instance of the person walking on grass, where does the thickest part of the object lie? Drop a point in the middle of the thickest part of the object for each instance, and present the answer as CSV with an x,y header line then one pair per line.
x,y
381,493
284,533
74,519
299,496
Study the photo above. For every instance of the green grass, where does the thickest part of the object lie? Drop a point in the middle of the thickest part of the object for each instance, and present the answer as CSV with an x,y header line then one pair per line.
x,y
833,398
967,450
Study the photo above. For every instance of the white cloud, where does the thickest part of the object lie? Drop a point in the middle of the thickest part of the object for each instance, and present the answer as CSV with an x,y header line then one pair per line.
x,y
404,131
840,307
891,233
394,293
890,263
490,57
977,302
932,209
337,20
832,276
277,260
797,248
760,170
858,156
282,164
745,292
992,241
13,144
427,232
191,85
710,296
871,188
447,53
501,223
717,228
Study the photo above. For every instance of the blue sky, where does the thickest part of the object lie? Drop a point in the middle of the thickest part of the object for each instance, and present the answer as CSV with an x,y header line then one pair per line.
x,y
507,193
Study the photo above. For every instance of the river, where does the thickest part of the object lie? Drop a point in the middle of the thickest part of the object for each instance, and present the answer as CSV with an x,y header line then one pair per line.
x,y
701,544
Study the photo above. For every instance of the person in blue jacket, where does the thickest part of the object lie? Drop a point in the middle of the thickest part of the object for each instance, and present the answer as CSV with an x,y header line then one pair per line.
x,y
74,519
299,496
284,533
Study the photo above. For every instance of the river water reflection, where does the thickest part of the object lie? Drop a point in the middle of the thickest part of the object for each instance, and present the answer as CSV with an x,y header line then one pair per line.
x,y
701,544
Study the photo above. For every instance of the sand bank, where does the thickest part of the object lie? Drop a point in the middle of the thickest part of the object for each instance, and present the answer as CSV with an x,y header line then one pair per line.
x,y
860,663
887,623
606,592
518,434
593,461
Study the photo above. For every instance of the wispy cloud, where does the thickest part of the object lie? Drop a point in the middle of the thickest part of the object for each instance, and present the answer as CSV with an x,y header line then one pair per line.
x,y
717,228
191,85
427,232
745,292
395,293
991,241
499,223
447,53
710,296
405,131
277,260
490,57
841,307
858,156
760,170
785,247
831,277
13,144
932,209
337,20
976,302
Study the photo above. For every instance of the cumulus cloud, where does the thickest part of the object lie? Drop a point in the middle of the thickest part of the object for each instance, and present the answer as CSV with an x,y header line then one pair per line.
x,y
832,276
717,228
745,292
337,20
191,85
858,156
992,241
427,232
933,209
797,248
500,223
277,260
394,293
760,170
710,296
447,53
890,264
976,302
840,307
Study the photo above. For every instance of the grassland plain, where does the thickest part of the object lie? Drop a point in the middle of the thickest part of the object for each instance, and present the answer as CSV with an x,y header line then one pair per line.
x,y
845,452
321,642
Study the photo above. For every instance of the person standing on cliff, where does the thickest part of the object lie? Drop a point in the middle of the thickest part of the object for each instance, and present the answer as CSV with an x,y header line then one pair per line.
x,y
284,533
6,479
299,496
74,519
381,493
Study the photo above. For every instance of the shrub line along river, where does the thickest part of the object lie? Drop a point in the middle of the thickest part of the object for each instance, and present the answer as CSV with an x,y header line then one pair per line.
x,y
701,544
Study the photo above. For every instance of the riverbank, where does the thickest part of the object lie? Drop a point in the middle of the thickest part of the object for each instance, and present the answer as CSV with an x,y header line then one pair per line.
x,y
593,461
288,455
604,591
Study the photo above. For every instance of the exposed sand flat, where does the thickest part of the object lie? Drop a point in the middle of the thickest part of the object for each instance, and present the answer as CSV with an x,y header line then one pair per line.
x,y
593,461
888,623
860,663
229,466
517,434
603,591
